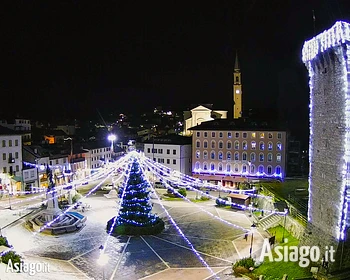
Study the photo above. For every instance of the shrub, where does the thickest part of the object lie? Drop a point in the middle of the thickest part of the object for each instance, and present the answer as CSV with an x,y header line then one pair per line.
x,y
205,198
3,241
245,262
11,255
183,192
126,229
220,202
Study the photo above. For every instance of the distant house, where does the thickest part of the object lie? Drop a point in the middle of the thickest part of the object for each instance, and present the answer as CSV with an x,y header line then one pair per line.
x,y
55,136
97,153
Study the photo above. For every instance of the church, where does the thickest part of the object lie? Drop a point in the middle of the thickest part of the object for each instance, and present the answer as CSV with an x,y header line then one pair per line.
x,y
205,112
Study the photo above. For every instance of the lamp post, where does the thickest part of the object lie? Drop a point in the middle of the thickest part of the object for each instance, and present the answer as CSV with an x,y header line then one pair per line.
x,y
253,227
112,138
102,260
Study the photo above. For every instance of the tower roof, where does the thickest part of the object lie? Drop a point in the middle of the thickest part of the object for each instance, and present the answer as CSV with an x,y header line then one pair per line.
x,y
236,62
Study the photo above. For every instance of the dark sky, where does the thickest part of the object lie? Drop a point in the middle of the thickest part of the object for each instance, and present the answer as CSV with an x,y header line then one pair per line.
x,y
67,58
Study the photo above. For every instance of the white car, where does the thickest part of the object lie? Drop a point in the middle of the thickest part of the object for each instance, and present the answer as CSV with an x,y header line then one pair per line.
x,y
107,187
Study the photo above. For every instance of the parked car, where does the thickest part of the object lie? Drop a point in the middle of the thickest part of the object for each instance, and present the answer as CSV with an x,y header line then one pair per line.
x,y
107,187
159,185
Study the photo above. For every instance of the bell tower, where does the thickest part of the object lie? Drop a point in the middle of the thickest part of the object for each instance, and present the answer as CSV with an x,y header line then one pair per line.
x,y
237,91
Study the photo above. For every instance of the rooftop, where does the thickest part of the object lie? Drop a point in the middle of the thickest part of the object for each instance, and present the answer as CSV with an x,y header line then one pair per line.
x,y
7,131
171,139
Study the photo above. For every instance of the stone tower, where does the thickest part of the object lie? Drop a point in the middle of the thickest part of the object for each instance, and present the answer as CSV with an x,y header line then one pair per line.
x,y
327,58
237,91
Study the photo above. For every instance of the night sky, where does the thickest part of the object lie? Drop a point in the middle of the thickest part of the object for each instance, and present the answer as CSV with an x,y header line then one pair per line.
x,y
69,58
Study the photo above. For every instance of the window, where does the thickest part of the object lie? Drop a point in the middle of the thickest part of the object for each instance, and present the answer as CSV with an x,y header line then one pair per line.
x,y
198,134
244,168
161,160
237,134
198,165
168,150
4,156
252,169
269,146
269,170
3,143
279,135
220,166
31,173
220,156
149,150
269,157
229,145
25,175
228,156
10,143
278,170
236,145
213,144
167,161
220,134
252,157
198,145
56,161
174,161
160,151
236,168
174,152
228,167
261,157
262,135
154,151
244,145
229,134
278,158
279,146
244,156
205,144
205,166
50,162
244,134
221,144
213,134
16,142
198,154
270,135
212,155
205,134
253,134
16,154
261,146
205,155
261,169
212,166
17,168
253,145
236,156
4,170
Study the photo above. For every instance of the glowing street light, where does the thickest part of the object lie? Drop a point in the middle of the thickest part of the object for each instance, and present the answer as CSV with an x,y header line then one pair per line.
x,y
112,138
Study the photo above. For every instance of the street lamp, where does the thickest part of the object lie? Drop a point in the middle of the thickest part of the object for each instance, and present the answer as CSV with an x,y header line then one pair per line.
x,y
112,138
253,227
102,260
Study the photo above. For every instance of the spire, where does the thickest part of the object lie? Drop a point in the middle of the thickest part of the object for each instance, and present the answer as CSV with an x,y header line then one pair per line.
x,y
236,63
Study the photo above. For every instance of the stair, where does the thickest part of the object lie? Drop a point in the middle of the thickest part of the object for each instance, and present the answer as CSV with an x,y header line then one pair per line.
x,y
269,221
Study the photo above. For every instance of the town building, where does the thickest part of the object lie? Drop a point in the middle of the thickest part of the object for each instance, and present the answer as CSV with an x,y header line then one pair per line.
x,y
232,151
173,151
20,125
97,154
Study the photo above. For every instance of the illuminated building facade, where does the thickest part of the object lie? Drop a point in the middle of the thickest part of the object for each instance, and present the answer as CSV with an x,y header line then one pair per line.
x,y
236,150
327,58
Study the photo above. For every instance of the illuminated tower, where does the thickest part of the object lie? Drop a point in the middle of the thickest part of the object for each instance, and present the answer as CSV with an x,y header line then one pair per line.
x,y
237,91
327,58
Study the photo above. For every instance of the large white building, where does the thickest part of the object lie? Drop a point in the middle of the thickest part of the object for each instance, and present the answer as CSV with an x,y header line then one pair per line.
x,y
22,125
97,154
173,151
11,159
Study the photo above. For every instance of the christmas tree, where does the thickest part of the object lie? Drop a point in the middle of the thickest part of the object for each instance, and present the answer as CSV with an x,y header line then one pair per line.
x,y
135,217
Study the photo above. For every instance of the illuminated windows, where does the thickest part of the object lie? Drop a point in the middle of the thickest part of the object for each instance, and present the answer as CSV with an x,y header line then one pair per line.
x,y
253,145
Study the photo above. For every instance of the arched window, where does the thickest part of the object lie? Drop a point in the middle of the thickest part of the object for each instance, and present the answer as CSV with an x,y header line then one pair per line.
x,y
229,145
198,154
220,166
270,146
205,144
279,146
213,144
228,167
244,168
236,168
198,144
269,157
252,169
236,156
278,170
244,156
198,165
261,146
221,144
220,155
228,156
205,155
261,157
252,157
245,145
212,155
253,145
261,169
205,166
278,158
269,170
236,145
220,134
212,166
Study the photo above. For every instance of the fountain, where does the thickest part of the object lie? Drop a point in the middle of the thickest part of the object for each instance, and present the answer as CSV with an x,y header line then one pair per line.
x,y
53,220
